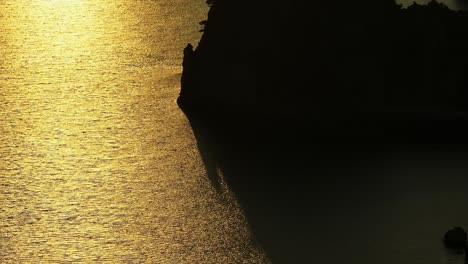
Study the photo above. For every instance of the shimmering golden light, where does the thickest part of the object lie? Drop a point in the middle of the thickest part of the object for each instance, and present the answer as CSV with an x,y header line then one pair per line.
x,y
97,163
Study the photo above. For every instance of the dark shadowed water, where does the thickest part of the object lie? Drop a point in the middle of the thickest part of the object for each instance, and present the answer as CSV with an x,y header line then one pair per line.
x,y
315,198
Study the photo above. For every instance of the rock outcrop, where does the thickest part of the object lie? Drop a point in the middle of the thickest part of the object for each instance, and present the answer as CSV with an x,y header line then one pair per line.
x,y
308,58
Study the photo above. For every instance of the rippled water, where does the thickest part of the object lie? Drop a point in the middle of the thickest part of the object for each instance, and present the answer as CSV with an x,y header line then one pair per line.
x,y
97,162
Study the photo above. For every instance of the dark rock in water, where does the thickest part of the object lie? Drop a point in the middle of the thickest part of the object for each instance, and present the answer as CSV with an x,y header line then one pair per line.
x,y
455,238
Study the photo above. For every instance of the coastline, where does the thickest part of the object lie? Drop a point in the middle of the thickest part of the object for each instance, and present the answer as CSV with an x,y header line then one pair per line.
x,y
301,112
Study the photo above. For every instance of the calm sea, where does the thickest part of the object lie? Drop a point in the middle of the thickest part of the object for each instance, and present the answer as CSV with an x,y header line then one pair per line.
x,y
97,163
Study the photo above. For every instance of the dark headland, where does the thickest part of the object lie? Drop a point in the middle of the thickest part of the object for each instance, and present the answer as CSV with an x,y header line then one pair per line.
x,y
298,104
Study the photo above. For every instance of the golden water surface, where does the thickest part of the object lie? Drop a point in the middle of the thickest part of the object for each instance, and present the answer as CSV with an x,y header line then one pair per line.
x,y
97,163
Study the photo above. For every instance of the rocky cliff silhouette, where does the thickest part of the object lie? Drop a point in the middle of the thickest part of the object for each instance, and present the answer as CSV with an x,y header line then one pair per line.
x,y
306,58
295,102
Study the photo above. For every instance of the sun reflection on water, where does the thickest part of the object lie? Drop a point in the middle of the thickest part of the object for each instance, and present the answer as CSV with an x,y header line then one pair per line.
x,y
98,164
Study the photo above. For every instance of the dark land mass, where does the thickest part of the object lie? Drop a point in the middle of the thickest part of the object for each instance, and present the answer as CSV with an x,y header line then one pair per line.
x,y
305,105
